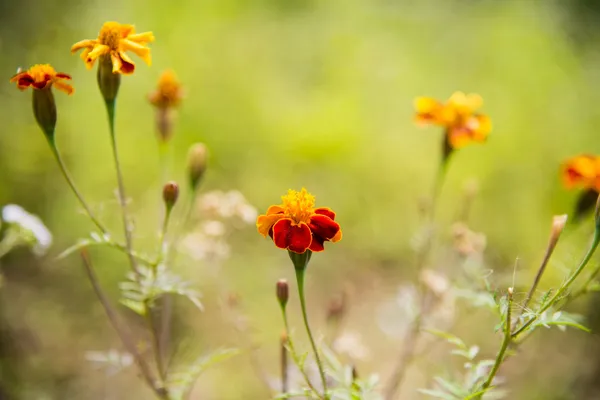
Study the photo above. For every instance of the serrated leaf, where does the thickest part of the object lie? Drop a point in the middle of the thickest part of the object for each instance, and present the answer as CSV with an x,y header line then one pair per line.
x,y
450,338
451,387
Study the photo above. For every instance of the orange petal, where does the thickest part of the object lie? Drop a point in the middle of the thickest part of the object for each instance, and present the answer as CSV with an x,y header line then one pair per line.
x,y
127,64
459,137
337,237
296,238
64,87
62,75
264,223
83,44
96,52
142,38
141,51
275,210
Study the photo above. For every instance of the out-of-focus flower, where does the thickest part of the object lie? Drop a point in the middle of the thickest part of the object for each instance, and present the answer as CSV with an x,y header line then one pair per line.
x,y
200,246
467,242
437,283
227,205
33,229
351,344
197,161
113,41
296,225
165,98
168,92
111,361
458,115
582,171
42,76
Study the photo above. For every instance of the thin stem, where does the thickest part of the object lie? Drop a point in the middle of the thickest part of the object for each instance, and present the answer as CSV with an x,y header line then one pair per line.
x,y
300,281
110,108
283,362
549,250
74,189
505,342
122,332
565,286
156,345
290,344
408,349
161,238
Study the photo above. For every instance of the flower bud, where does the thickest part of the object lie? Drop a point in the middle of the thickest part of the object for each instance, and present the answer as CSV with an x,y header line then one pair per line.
x,y
170,194
197,159
108,82
44,109
283,292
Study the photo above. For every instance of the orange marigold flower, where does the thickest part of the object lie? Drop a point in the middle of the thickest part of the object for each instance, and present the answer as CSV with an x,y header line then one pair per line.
x,y
42,76
168,92
115,40
458,115
582,171
296,225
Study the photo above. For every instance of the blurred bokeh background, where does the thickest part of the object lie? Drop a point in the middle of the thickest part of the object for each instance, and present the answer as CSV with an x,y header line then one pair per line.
x,y
290,94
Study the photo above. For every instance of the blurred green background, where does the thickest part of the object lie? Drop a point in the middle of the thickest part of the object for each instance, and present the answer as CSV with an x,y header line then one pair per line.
x,y
286,94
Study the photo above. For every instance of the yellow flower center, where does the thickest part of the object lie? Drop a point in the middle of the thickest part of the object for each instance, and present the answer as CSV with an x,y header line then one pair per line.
x,y
299,206
110,35
39,71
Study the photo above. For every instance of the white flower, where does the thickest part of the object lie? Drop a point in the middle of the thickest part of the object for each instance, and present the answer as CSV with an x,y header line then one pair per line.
x,y
38,234
350,343
200,246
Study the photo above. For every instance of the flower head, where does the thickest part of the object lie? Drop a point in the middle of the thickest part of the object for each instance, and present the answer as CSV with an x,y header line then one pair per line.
x,y
114,40
42,76
31,228
582,171
458,115
296,225
168,92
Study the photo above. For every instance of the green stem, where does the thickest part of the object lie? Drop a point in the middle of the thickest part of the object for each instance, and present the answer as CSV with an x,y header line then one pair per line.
x,y
74,189
161,239
110,108
300,281
565,286
156,345
11,240
290,343
505,342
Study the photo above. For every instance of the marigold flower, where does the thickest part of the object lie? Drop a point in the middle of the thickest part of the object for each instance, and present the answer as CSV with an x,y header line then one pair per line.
x,y
582,171
296,225
168,92
458,115
42,76
115,40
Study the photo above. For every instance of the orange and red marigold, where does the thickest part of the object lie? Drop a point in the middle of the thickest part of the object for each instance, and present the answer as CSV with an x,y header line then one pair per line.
x,y
458,115
582,171
114,40
296,225
42,76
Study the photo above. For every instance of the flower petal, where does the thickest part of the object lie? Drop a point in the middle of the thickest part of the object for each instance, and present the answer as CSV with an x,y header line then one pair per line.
x,y
326,211
83,44
265,222
127,66
142,38
64,87
141,51
323,226
62,75
97,51
317,244
337,237
428,110
459,137
275,210
24,82
296,238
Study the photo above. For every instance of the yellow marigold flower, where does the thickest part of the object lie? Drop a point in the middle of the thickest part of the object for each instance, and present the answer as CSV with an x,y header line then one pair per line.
x,y
296,225
582,171
42,76
115,40
168,92
458,115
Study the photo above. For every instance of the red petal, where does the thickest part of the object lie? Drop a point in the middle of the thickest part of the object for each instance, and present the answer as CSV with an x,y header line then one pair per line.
x,y
25,81
322,225
325,211
62,75
317,244
296,238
